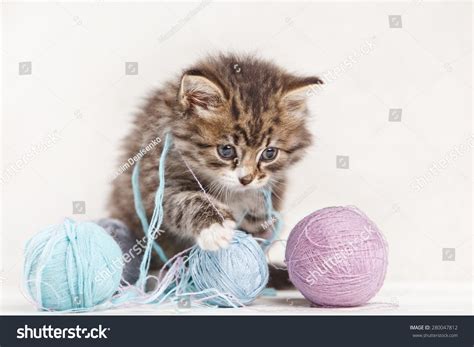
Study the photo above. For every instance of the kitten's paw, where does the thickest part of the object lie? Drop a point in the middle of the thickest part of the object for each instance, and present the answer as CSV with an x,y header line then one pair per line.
x,y
216,236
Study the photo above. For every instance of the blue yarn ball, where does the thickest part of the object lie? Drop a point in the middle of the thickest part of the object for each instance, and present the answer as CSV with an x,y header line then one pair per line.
x,y
72,266
240,271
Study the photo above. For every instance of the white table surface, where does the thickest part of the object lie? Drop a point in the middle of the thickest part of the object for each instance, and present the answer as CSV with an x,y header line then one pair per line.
x,y
393,299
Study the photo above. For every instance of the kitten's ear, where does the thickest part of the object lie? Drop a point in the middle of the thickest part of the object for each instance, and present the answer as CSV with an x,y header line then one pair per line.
x,y
297,91
198,94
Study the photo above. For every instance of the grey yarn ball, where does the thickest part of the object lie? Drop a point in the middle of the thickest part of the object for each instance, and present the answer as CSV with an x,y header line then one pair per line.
x,y
126,240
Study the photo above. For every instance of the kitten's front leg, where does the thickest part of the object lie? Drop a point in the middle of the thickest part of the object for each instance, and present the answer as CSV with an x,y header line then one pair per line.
x,y
192,214
254,224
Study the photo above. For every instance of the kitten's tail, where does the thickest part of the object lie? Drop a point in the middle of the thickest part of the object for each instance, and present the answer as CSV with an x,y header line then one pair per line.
x,y
279,278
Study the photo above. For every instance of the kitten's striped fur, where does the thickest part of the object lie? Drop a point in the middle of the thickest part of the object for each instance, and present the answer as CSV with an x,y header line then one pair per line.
x,y
240,101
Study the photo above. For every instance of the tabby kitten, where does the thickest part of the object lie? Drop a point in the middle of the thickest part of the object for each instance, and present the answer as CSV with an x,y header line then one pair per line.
x,y
238,123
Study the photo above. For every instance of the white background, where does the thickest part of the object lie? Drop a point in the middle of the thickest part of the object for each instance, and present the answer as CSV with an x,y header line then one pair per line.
x,y
78,88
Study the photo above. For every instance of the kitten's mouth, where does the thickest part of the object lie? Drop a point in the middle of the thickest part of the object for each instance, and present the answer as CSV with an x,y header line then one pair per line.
x,y
239,187
242,188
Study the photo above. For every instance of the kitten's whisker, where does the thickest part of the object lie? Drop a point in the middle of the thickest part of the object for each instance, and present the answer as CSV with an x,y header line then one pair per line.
x,y
226,193
211,187
217,190
276,194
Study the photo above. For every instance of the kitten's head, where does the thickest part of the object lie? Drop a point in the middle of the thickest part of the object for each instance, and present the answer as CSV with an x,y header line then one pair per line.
x,y
243,120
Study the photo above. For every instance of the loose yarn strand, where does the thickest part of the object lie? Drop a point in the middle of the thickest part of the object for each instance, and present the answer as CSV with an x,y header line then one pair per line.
x,y
157,217
140,209
137,196
275,218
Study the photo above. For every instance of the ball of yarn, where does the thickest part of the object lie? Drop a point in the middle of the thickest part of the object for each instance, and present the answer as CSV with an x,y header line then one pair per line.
x,y
240,272
72,266
337,257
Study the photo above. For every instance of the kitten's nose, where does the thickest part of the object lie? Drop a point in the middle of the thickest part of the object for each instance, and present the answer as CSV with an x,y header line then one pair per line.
x,y
246,179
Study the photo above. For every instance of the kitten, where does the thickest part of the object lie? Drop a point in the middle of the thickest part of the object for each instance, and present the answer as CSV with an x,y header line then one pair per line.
x,y
239,123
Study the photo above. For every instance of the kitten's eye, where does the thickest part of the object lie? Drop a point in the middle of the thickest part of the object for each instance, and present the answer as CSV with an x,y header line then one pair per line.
x,y
269,153
226,151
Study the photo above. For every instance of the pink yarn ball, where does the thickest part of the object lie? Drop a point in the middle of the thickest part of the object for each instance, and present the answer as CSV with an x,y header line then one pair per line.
x,y
337,257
